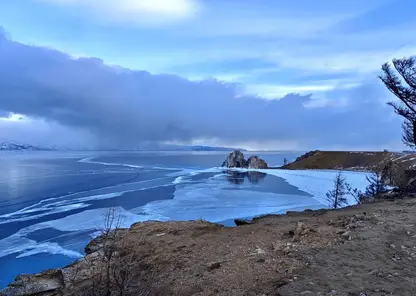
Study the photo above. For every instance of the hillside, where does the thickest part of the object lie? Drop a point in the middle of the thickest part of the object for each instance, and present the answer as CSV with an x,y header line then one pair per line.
x,y
348,160
362,250
10,146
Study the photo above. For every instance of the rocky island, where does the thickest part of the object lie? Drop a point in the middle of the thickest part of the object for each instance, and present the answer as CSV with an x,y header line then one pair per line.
x,y
236,160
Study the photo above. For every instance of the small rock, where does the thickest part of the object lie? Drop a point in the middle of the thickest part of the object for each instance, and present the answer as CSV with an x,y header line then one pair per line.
x,y
305,231
161,234
240,222
333,292
373,271
290,233
346,235
363,294
281,283
306,293
214,265
300,229
392,246
260,251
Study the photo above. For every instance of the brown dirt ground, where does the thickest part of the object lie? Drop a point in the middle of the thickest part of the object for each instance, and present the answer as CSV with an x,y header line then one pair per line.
x,y
362,250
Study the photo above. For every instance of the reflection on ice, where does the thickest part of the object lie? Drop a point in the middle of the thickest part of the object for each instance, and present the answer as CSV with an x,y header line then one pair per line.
x,y
238,177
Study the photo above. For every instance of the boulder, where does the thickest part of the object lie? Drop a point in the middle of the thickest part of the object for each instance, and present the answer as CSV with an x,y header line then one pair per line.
x,y
255,162
235,160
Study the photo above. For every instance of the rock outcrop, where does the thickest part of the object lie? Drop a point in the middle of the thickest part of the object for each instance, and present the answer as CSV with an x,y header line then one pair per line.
x,y
254,162
47,283
236,160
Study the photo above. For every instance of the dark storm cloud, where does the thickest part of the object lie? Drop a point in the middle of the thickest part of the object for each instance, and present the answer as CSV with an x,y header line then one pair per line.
x,y
127,107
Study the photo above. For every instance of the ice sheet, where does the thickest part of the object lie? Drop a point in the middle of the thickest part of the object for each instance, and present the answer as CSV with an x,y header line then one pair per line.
x,y
319,182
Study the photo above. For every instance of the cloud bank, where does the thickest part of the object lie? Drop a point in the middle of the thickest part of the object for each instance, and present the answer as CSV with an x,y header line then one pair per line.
x,y
113,107
140,12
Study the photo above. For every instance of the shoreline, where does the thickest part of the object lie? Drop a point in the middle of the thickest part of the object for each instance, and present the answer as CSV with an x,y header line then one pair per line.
x,y
298,253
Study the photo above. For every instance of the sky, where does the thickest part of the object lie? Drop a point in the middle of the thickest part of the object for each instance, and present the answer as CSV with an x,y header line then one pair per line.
x,y
266,74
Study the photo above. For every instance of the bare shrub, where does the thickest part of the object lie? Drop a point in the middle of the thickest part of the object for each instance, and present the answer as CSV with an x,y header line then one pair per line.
x,y
117,271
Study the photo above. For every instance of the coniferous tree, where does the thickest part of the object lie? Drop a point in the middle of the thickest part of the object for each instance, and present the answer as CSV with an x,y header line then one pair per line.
x,y
337,197
376,184
403,86
285,161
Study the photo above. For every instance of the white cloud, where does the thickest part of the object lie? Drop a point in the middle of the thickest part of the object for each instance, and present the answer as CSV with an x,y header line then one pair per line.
x,y
322,60
142,12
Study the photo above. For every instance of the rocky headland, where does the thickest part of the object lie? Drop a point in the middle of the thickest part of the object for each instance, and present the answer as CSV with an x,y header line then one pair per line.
x,y
351,160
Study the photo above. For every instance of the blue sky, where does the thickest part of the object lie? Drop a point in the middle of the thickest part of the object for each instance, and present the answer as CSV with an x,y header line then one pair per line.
x,y
332,50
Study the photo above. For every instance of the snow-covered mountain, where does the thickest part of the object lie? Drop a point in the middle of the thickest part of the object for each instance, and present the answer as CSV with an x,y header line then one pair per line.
x,y
15,146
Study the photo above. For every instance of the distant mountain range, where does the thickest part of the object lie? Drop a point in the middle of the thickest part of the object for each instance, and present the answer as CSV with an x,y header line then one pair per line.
x,y
203,148
10,146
